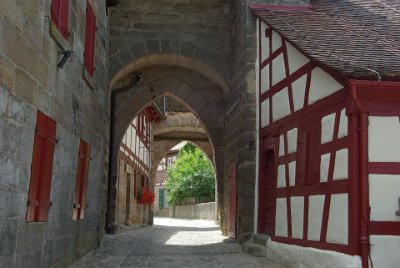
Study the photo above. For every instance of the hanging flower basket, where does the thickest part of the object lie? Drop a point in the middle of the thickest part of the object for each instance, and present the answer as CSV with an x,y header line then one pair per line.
x,y
146,197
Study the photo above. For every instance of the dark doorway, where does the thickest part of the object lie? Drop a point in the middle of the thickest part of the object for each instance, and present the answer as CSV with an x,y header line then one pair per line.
x,y
266,193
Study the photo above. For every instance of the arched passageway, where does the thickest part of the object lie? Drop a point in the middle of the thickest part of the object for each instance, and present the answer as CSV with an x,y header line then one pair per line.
x,y
202,96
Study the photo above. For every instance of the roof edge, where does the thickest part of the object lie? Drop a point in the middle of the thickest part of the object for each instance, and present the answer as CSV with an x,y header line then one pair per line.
x,y
266,7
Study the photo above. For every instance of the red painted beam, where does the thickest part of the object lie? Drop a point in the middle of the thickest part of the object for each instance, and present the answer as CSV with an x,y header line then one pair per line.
x,y
384,228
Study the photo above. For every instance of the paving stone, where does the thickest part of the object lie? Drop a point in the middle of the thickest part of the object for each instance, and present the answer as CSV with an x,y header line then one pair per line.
x,y
172,243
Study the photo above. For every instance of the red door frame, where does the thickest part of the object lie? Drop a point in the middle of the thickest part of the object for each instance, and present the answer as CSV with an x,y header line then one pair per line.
x,y
268,144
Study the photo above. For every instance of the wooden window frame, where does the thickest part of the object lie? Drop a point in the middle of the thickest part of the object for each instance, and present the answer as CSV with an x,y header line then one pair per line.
x,y
82,172
60,16
90,40
41,169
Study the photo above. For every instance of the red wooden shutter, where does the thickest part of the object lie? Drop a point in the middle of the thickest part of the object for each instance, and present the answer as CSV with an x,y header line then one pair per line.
x,y
233,201
90,39
41,169
60,16
55,11
81,181
64,15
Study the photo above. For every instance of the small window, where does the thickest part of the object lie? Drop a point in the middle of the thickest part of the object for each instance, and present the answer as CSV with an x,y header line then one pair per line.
x,y
59,16
41,169
90,39
81,181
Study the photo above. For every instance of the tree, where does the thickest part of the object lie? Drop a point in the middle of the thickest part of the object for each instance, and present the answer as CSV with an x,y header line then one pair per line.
x,y
191,176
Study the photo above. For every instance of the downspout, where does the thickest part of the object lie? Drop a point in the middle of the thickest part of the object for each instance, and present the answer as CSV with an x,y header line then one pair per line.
x,y
364,206
110,213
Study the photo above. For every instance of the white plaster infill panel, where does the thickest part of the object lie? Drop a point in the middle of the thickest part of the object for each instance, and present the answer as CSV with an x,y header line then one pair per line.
x,y
324,168
343,124
281,176
280,105
281,145
292,173
338,224
265,79
315,209
305,257
385,251
264,42
281,221
383,139
299,91
276,41
384,191
296,58
322,85
265,113
292,140
297,210
327,126
341,165
278,69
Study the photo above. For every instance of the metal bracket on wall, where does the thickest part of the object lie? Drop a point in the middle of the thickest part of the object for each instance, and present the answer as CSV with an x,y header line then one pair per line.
x,y
398,211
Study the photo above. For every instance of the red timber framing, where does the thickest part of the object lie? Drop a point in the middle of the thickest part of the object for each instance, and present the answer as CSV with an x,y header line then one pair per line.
x,y
42,169
60,16
90,39
309,151
233,201
81,181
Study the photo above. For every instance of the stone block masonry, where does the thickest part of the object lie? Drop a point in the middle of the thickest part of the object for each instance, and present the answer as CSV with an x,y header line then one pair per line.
x,y
31,81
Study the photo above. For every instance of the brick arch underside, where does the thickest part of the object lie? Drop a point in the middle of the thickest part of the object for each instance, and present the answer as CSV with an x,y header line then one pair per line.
x,y
203,97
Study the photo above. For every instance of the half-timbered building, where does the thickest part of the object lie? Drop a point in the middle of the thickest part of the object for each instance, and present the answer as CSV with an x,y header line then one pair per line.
x,y
329,106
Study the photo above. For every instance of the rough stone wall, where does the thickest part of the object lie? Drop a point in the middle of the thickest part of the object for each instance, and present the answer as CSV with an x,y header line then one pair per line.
x,y
197,29
30,80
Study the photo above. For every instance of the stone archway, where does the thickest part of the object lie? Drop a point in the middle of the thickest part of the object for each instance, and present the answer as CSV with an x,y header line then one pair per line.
x,y
203,97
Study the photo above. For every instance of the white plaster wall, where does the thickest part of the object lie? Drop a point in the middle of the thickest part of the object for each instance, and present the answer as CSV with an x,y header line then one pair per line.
x,y
278,69
299,90
322,85
384,191
281,176
338,223
296,58
315,209
385,251
265,79
383,139
343,124
265,113
292,173
276,41
305,257
264,42
324,167
341,165
281,145
292,140
281,220
280,104
327,125
297,210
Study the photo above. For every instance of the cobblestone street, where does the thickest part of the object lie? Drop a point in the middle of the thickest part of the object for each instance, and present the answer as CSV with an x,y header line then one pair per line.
x,y
172,243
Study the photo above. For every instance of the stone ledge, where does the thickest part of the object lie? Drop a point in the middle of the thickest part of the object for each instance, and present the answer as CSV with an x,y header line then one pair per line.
x,y
57,36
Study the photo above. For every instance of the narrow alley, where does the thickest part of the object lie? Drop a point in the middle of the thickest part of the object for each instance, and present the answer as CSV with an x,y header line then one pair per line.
x,y
172,243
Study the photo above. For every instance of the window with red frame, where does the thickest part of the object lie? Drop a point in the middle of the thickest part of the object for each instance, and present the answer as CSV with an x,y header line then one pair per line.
x,y
309,146
60,15
81,181
41,169
90,39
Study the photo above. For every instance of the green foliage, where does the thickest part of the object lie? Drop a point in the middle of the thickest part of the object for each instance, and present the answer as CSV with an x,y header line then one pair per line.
x,y
191,176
